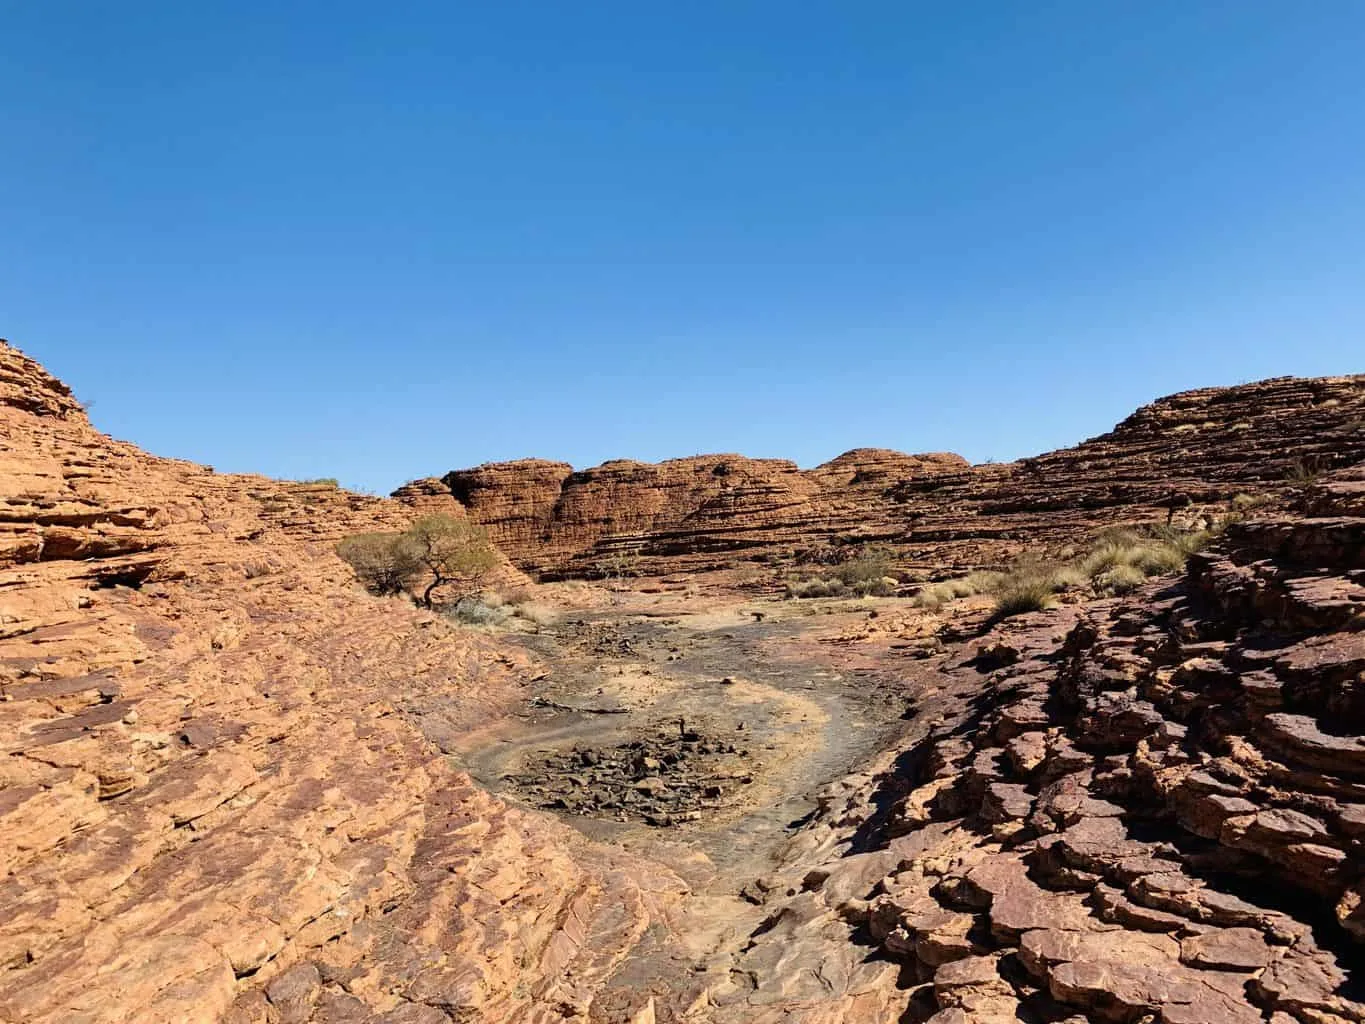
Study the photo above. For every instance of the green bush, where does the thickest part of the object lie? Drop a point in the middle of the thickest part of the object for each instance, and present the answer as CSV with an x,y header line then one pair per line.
x,y
447,549
1117,561
866,574
475,612
1302,472
1164,550
1246,502
881,586
384,563
935,595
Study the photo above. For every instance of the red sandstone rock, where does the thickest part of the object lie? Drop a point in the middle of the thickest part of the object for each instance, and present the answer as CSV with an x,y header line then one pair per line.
x,y
216,796
220,799
1185,455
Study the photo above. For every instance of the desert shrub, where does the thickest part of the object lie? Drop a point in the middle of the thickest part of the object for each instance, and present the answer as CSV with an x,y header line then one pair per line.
x,y
1161,551
1026,595
1102,558
1186,542
870,564
1302,472
818,587
979,582
1117,561
866,574
446,549
384,563
1067,577
832,586
881,586
1159,558
451,550
819,554
1120,580
1023,576
1246,502
474,611
321,481
935,595
535,613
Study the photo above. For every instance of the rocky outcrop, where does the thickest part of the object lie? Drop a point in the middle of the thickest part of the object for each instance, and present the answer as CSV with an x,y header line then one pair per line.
x,y
872,470
1141,810
224,797
222,792
692,514
1183,455
606,519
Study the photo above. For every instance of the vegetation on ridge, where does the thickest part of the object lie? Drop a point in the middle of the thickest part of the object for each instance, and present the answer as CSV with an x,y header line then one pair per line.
x,y
444,549
865,574
1118,561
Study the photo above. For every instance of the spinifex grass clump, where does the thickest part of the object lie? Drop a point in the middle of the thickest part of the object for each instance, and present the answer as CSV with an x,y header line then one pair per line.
x,y
866,574
1025,595
1117,561
937,594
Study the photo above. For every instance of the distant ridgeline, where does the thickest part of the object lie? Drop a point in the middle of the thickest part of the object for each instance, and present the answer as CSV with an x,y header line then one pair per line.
x,y
1184,455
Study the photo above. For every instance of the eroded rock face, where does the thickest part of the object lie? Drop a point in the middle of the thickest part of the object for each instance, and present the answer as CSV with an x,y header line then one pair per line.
x,y
220,799
1146,810
223,795
558,521
1183,454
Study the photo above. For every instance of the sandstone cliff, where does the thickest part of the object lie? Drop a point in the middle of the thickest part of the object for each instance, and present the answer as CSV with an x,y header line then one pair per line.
x,y
1190,451
218,762
224,796
1148,809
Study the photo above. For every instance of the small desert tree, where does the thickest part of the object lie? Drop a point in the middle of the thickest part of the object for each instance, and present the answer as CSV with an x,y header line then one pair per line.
x,y
384,563
452,550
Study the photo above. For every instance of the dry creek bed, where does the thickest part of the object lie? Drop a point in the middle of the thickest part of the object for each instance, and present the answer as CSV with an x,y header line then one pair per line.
x,y
718,735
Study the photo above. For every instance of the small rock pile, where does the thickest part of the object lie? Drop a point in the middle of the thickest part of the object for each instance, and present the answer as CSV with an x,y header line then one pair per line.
x,y
670,778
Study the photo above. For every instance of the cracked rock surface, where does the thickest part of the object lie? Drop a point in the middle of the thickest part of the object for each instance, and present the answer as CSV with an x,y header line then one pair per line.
x,y
226,793
1141,810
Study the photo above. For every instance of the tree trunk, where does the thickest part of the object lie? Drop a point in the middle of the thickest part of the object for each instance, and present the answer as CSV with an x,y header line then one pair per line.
x,y
426,595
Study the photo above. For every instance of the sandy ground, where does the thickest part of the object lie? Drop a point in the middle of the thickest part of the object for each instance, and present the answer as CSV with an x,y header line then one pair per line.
x,y
805,690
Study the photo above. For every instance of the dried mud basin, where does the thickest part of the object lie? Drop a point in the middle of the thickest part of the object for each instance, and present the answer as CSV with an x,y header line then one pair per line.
x,y
698,738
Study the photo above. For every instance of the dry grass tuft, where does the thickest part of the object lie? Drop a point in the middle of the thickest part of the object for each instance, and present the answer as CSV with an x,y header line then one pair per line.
x,y
1118,561
1029,595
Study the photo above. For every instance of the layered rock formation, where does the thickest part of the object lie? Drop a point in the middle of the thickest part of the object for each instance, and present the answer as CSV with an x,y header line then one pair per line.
x,y
224,798
1190,451
220,799
1142,810
685,514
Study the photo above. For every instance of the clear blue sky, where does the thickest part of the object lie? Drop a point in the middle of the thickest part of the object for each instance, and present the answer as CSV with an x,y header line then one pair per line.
x,y
382,240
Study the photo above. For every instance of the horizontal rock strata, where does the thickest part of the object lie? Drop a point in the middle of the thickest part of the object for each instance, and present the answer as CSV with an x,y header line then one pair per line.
x,y
223,796
1143,810
1183,455
222,793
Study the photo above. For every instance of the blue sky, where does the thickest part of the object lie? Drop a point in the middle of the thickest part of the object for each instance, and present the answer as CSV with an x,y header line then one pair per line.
x,y
380,241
